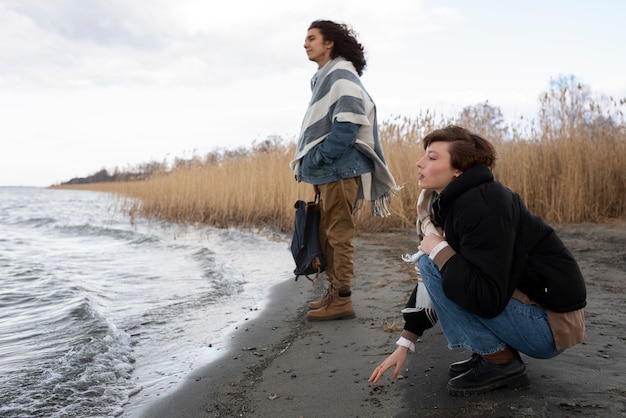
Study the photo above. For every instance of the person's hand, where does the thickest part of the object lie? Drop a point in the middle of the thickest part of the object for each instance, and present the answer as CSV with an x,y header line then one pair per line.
x,y
397,358
429,242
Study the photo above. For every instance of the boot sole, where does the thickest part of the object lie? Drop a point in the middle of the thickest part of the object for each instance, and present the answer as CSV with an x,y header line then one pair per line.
x,y
332,318
513,382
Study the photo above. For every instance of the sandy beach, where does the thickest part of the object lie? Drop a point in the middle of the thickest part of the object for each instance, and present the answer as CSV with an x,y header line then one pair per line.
x,y
281,365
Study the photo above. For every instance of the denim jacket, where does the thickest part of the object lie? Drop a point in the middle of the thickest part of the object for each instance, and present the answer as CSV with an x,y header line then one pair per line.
x,y
335,158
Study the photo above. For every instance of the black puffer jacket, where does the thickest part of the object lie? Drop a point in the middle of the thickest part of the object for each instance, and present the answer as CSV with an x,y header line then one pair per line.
x,y
501,246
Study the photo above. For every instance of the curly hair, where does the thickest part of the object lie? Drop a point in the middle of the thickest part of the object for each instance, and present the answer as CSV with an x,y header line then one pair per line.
x,y
345,42
467,149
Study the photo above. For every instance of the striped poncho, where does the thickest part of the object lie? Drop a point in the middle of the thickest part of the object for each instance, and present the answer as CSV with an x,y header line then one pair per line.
x,y
338,95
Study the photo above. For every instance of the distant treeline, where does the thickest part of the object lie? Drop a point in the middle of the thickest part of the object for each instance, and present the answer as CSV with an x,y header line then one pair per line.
x,y
143,172
568,166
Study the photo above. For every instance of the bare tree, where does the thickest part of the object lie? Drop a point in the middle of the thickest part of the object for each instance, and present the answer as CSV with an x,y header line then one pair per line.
x,y
484,119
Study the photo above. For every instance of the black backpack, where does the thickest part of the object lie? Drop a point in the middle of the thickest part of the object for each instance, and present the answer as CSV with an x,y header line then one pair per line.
x,y
305,243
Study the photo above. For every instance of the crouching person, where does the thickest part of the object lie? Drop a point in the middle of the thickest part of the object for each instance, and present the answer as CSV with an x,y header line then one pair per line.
x,y
500,280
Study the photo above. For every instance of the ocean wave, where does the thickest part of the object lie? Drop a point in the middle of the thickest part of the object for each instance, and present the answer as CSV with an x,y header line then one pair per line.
x,y
95,309
36,222
86,371
90,230
225,279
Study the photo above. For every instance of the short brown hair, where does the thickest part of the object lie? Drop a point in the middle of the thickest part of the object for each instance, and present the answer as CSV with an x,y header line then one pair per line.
x,y
467,149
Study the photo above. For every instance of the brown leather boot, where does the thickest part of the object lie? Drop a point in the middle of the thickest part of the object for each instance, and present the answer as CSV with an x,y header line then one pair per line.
x,y
324,301
339,307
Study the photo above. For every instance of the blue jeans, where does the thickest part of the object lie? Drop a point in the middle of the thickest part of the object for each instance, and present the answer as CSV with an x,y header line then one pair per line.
x,y
520,326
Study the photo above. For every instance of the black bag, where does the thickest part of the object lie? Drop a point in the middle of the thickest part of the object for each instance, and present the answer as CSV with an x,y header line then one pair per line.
x,y
305,243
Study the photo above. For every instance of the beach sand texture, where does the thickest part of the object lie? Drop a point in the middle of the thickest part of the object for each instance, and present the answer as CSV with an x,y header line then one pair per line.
x,y
281,365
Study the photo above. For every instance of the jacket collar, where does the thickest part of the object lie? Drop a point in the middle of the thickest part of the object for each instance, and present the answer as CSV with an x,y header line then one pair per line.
x,y
472,177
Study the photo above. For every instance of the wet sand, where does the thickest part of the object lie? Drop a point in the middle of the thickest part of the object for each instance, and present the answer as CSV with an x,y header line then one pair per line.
x,y
281,365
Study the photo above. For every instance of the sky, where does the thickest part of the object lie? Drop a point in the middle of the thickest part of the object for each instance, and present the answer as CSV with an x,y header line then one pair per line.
x,y
93,84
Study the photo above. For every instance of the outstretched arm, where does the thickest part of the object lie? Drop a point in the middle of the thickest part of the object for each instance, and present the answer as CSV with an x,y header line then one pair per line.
x,y
415,323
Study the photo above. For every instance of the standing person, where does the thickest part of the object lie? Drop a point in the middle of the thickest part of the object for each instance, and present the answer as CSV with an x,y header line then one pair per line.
x,y
340,154
500,280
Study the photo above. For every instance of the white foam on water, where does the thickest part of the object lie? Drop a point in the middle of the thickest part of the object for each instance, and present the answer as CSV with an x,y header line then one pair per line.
x,y
100,316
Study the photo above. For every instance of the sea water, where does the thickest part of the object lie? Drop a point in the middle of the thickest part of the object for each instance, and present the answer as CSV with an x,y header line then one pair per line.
x,y
100,315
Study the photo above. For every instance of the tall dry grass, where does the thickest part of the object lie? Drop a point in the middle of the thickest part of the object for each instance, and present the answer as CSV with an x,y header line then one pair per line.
x,y
569,168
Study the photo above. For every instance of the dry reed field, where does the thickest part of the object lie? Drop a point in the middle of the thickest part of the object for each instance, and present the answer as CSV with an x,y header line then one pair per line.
x,y
569,168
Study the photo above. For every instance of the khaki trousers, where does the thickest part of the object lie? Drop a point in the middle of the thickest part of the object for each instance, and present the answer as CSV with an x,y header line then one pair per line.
x,y
337,230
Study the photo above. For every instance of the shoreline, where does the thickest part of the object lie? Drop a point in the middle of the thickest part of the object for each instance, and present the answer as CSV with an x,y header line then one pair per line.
x,y
252,347
281,365
236,384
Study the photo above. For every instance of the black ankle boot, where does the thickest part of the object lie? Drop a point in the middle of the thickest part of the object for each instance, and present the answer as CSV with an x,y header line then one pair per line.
x,y
486,376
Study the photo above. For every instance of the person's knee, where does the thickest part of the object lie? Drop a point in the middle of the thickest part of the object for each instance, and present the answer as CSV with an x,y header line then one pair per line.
x,y
427,267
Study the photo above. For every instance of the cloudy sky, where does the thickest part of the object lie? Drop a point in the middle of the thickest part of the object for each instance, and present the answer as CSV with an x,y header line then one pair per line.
x,y
91,84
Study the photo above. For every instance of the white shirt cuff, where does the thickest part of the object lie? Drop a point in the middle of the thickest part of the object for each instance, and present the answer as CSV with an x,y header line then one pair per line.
x,y
404,342
437,248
